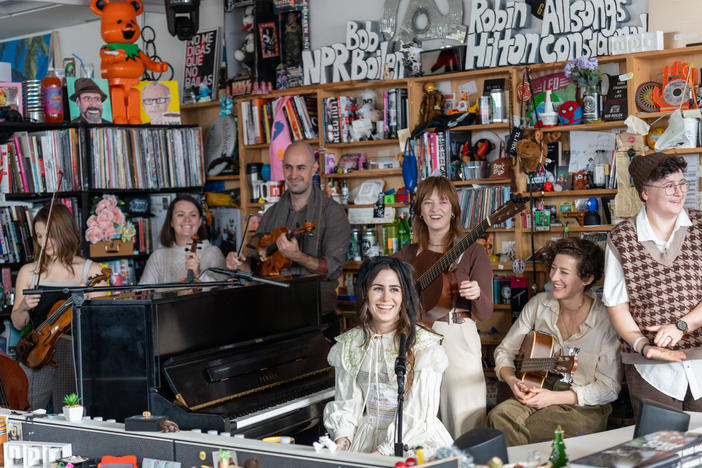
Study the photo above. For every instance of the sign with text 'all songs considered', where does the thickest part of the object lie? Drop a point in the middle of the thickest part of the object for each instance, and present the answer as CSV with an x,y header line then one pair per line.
x,y
201,66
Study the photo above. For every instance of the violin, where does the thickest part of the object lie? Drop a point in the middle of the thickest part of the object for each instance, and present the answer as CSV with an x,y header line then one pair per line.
x,y
272,261
193,249
13,385
36,349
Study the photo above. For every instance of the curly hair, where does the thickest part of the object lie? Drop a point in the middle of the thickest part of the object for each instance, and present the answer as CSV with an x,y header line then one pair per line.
x,y
589,256
408,310
669,165
444,188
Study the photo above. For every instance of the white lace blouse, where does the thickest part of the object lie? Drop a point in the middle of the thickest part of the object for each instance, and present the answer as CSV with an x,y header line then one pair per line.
x,y
365,400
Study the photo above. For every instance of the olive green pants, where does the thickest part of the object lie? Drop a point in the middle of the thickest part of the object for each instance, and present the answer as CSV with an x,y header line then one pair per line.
x,y
523,424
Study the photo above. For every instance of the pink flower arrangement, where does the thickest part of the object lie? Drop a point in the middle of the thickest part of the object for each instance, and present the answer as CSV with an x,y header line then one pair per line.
x,y
108,222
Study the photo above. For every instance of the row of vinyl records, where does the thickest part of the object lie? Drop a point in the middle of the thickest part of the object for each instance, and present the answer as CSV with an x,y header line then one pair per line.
x,y
478,202
16,245
146,158
31,161
341,111
117,158
258,116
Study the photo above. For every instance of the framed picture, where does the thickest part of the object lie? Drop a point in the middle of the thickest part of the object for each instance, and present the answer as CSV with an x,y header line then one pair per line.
x,y
11,96
89,100
269,40
160,104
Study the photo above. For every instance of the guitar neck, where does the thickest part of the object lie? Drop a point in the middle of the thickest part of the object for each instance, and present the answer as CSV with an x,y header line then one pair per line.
x,y
451,255
537,364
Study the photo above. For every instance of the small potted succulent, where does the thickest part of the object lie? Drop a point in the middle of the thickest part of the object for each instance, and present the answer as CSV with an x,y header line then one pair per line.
x,y
72,409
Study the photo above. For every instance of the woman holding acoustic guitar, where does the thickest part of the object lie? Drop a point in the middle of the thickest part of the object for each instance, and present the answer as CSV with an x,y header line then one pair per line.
x,y
185,251
569,316
60,266
466,296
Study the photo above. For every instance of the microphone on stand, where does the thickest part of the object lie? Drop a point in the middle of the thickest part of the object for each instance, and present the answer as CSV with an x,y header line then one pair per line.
x,y
400,370
189,278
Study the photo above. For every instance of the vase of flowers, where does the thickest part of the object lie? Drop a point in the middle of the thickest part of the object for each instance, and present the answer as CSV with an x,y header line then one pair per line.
x,y
586,74
108,231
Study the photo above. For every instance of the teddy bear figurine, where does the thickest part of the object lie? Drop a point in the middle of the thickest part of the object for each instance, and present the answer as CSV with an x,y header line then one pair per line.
x,y
432,103
121,60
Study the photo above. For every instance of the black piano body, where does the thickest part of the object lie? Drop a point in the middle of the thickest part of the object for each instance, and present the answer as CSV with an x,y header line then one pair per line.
x,y
249,360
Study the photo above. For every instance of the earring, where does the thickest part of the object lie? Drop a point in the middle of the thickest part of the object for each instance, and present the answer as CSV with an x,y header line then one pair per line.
x,y
453,216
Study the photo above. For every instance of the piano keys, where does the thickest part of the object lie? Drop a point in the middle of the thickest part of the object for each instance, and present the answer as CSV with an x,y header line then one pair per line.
x,y
248,359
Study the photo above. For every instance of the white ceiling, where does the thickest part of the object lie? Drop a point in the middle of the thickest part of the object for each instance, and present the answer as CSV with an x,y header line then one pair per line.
x,y
21,18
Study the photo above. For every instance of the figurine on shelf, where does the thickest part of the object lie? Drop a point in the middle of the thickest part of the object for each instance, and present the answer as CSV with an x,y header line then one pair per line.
x,y
121,61
432,103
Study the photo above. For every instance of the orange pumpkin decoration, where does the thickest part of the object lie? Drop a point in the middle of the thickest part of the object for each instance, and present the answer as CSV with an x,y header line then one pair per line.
x,y
121,60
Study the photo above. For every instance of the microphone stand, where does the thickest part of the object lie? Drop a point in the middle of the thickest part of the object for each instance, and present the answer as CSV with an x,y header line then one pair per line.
x,y
400,370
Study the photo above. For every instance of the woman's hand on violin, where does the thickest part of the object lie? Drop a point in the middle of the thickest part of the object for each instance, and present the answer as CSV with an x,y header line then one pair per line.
x,y
235,261
192,262
289,248
469,290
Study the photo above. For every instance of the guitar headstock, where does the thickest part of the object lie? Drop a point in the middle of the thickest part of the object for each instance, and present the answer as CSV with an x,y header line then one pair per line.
x,y
513,207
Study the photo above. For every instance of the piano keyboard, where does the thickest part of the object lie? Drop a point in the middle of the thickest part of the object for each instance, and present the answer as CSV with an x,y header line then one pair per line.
x,y
265,414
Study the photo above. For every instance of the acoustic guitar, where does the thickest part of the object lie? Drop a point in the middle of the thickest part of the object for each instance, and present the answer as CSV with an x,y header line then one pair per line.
x,y
432,283
535,360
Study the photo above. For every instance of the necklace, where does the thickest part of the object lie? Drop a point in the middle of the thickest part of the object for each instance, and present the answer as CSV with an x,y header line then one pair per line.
x,y
575,321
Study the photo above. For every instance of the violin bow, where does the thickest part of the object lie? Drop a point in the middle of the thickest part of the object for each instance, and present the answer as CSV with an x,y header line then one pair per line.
x,y
243,238
37,265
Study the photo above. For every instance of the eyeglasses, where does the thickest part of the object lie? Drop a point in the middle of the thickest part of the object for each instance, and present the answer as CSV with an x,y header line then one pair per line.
x,y
91,99
671,189
150,101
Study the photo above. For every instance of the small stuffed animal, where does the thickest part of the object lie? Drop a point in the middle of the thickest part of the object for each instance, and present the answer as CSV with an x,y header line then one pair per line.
x,y
580,180
121,61
530,154
432,103
245,53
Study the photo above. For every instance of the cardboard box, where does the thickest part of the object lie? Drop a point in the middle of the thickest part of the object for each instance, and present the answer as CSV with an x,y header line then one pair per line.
x,y
678,19
113,248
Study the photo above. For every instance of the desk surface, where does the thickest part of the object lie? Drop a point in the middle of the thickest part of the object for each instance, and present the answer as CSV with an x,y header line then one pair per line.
x,y
581,446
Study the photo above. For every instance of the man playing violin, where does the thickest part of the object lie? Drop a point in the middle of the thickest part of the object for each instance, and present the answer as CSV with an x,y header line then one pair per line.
x,y
322,250
60,266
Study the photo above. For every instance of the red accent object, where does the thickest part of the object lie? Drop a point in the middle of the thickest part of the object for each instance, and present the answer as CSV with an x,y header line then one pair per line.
x,y
400,465
548,187
247,27
524,91
125,460
411,461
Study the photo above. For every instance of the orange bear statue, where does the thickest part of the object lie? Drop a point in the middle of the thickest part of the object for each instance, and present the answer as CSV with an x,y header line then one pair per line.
x,y
121,61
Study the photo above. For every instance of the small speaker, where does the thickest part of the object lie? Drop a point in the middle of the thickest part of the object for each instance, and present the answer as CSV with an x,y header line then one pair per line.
x,y
655,417
483,443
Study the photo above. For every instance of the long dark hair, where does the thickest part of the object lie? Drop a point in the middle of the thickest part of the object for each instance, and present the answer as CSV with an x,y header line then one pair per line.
x,y
167,232
409,309
64,234
444,188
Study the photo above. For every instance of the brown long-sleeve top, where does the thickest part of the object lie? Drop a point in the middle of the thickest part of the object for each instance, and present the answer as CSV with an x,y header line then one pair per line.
x,y
473,265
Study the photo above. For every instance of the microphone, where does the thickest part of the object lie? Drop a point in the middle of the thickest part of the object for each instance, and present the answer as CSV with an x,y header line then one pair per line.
x,y
191,275
400,362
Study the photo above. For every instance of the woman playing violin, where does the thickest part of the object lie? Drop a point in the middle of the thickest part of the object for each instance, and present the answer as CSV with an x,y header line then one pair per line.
x,y
573,315
60,266
171,262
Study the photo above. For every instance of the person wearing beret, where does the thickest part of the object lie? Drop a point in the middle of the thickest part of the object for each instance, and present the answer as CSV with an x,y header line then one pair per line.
x,y
653,287
89,98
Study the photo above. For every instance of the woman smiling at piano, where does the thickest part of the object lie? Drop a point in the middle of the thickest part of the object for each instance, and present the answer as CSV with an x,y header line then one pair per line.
x,y
575,318
362,416
171,262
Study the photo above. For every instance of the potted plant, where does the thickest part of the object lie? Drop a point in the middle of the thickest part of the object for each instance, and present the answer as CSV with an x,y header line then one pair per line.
x,y
586,74
72,409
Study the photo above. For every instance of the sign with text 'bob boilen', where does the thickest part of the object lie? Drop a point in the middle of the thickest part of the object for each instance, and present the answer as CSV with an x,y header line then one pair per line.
x,y
499,32
364,56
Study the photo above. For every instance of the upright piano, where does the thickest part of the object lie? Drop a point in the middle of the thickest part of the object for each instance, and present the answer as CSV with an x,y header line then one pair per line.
x,y
247,360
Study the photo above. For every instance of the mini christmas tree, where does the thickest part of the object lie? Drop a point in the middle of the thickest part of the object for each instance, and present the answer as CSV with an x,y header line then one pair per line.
x,y
558,454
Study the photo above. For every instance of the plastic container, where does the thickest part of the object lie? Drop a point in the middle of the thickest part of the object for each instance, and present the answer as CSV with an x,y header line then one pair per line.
x,y
52,97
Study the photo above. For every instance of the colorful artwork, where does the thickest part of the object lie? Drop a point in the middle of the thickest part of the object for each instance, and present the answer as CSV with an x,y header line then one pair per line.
x,y
269,39
11,95
29,57
160,104
89,100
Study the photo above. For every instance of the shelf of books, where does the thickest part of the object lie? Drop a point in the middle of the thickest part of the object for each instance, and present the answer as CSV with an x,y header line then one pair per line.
x,y
258,124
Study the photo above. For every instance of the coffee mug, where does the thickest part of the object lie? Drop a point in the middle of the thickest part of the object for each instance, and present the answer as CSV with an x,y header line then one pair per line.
x,y
272,190
256,189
